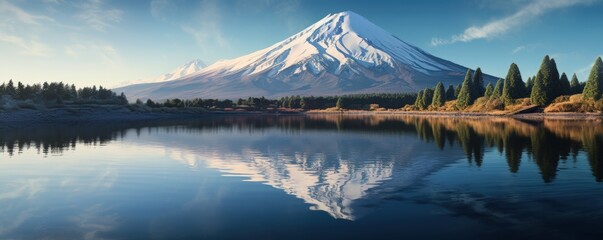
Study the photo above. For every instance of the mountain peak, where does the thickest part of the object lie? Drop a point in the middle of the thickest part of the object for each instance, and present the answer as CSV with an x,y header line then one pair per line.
x,y
342,53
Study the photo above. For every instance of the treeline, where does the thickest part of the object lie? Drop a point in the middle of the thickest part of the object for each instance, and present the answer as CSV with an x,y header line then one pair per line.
x,y
189,103
355,102
541,89
359,102
60,93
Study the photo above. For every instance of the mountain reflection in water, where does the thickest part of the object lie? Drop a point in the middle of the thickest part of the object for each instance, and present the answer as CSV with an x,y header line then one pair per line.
x,y
337,164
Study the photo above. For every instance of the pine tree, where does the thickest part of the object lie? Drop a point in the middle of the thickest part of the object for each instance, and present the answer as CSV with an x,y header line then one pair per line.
x,y
594,84
539,93
549,77
465,97
477,84
450,93
302,103
10,89
418,101
489,90
457,90
439,96
497,92
529,85
339,103
564,85
514,86
575,85
427,97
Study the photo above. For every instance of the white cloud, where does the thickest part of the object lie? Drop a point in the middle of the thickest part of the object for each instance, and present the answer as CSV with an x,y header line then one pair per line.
x,y
95,14
583,72
107,54
160,7
11,12
18,28
519,49
28,47
207,30
499,27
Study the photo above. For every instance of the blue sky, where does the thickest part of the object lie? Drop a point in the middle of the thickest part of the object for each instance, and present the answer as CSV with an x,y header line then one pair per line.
x,y
112,42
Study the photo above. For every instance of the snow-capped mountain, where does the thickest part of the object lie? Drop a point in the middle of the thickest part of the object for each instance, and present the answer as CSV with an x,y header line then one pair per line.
x,y
186,69
341,54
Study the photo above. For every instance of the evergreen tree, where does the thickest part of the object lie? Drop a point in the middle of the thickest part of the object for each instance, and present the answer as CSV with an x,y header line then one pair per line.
x,y
575,85
489,90
450,93
439,96
340,103
478,84
529,85
427,97
303,103
21,92
457,90
465,97
539,93
418,101
549,77
564,85
594,84
10,89
497,92
514,86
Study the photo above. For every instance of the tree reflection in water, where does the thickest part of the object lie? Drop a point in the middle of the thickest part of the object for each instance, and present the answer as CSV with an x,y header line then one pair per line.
x,y
544,142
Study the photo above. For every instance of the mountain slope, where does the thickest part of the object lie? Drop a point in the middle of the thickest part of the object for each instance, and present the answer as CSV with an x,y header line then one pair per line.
x,y
186,69
341,54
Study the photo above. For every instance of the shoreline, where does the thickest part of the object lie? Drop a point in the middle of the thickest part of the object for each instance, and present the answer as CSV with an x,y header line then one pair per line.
x,y
125,114
526,116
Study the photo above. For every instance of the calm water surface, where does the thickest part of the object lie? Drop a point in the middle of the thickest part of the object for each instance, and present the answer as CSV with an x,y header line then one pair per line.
x,y
296,177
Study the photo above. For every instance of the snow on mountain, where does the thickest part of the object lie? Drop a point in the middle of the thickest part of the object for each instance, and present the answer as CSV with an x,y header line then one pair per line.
x,y
186,69
342,53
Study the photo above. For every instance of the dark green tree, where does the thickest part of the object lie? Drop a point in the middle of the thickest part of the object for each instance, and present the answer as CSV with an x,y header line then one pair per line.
x,y
465,97
564,85
478,84
497,92
450,93
594,84
489,90
439,95
539,93
529,85
427,97
419,100
10,89
513,87
549,77
457,90
575,85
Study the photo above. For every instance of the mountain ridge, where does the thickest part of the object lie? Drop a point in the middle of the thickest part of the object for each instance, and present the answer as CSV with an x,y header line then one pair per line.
x,y
342,53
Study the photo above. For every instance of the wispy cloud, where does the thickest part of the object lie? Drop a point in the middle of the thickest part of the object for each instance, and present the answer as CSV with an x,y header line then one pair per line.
x,y
18,28
207,29
499,27
107,54
27,47
98,16
583,72
12,12
159,8
526,48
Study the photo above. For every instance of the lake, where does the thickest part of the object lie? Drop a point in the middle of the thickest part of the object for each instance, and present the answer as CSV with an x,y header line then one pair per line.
x,y
303,177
